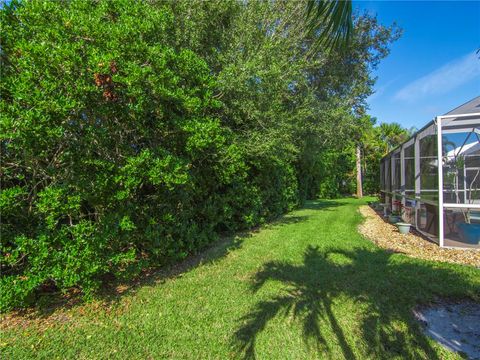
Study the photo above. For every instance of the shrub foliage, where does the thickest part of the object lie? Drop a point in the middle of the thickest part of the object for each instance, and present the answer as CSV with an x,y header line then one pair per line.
x,y
134,132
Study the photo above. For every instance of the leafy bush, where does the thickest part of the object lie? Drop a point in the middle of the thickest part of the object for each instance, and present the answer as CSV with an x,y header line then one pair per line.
x,y
108,146
131,135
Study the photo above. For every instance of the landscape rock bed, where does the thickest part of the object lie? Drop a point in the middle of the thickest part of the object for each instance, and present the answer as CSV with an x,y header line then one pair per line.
x,y
413,244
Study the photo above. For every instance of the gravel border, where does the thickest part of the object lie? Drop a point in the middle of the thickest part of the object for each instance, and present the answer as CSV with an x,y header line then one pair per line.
x,y
386,236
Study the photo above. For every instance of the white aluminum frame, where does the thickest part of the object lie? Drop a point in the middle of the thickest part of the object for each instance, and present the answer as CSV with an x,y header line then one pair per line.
x,y
438,121
440,125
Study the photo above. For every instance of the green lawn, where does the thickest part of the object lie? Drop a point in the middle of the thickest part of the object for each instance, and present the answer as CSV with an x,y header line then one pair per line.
x,y
305,287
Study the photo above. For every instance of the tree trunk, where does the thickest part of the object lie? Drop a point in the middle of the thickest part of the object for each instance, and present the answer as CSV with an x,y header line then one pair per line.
x,y
359,173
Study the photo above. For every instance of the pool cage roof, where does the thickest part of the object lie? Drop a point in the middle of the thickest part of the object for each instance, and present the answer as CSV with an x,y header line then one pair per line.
x,y
442,202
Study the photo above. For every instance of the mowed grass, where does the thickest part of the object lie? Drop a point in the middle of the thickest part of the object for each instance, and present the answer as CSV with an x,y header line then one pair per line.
x,y
305,287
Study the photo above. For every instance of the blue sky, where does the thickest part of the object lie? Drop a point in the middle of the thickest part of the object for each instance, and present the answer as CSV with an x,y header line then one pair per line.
x,y
433,67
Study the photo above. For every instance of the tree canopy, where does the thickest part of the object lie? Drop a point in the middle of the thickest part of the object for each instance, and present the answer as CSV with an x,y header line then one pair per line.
x,y
135,133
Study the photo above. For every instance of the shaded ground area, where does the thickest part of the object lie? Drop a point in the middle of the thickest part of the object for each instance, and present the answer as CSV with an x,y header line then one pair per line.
x,y
308,286
455,326
387,236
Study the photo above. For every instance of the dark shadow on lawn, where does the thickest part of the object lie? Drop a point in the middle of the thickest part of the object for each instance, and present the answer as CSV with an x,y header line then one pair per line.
x,y
48,302
282,221
386,292
321,204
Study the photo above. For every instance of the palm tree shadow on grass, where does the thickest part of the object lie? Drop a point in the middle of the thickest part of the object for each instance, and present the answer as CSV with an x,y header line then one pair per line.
x,y
385,290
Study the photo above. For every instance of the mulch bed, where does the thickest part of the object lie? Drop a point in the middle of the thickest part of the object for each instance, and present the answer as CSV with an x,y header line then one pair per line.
x,y
386,236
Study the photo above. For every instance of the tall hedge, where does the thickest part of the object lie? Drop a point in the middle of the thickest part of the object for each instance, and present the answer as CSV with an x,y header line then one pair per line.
x,y
110,155
133,133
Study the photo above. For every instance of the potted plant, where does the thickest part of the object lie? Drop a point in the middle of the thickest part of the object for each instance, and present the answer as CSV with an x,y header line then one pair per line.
x,y
394,217
403,228
397,205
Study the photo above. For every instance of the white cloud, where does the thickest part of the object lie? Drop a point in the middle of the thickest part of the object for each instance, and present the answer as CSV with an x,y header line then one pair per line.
x,y
382,88
443,79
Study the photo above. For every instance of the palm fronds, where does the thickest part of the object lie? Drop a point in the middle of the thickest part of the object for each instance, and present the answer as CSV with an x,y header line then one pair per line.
x,y
331,21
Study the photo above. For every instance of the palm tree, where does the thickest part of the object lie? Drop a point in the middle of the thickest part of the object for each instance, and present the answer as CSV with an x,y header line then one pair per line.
x,y
331,20
392,135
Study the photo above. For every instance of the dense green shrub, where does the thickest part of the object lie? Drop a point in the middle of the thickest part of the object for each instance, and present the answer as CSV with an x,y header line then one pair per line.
x,y
133,133
109,154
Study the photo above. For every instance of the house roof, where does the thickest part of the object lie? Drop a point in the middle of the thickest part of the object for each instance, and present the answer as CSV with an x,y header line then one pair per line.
x,y
470,107
466,149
